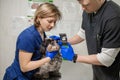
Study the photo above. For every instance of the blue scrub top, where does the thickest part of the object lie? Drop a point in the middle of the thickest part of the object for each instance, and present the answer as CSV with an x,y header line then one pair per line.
x,y
29,40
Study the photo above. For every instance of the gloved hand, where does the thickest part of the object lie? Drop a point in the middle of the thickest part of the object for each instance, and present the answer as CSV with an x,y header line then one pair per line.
x,y
67,52
51,54
55,37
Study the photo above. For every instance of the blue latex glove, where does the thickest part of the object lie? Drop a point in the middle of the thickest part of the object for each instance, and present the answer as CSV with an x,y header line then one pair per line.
x,y
67,52
51,54
55,37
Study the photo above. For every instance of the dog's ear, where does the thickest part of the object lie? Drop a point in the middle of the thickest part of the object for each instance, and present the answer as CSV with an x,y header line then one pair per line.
x,y
42,48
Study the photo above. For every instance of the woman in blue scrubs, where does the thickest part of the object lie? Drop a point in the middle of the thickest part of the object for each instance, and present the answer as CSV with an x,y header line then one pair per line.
x,y
27,55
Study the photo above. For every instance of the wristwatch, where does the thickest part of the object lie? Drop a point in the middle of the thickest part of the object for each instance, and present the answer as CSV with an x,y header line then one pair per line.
x,y
75,58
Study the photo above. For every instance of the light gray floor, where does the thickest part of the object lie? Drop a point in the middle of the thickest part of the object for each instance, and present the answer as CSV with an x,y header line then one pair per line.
x,y
75,71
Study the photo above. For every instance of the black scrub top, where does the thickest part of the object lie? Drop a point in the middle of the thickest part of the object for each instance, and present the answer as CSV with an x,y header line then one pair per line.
x,y
102,30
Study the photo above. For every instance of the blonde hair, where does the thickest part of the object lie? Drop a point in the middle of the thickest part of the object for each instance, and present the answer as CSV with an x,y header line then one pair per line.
x,y
46,10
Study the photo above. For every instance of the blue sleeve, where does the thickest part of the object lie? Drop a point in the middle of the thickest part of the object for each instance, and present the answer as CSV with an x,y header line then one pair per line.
x,y
26,42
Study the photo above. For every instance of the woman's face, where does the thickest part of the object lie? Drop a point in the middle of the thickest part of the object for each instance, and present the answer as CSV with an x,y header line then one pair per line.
x,y
47,23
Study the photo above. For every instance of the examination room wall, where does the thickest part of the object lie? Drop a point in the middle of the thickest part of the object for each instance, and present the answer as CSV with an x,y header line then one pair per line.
x,y
13,20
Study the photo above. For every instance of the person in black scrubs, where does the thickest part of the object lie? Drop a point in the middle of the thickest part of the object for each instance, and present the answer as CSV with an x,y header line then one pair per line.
x,y
101,30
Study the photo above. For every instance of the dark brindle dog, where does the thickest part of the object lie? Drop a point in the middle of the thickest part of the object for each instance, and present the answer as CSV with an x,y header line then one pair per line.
x,y
52,68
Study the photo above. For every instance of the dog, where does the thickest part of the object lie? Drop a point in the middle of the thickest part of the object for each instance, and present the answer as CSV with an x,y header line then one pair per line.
x,y
52,68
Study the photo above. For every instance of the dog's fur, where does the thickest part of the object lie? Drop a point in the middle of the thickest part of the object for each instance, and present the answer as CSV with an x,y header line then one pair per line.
x,y
52,66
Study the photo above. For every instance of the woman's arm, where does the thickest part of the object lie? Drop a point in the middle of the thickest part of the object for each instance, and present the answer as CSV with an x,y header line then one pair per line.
x,y
26,64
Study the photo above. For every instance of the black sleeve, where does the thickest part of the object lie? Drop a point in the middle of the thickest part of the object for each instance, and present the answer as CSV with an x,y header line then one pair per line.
x,y
83,20
112,33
